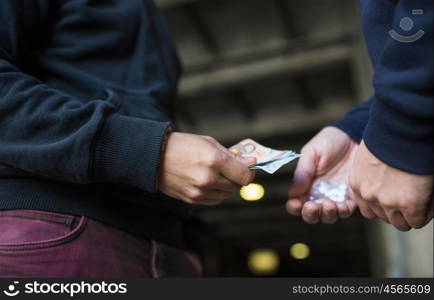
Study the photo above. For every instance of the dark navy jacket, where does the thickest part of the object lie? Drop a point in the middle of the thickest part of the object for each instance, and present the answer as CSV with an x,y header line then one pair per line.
x,y
86,92
397,123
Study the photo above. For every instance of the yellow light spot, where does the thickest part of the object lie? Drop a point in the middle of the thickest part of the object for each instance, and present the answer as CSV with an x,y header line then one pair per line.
x,y
252,192
263,261
299,251
235,151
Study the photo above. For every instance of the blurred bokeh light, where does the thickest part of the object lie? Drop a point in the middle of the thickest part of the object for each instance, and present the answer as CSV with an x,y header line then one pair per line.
x,y
299,251
252,192
263,262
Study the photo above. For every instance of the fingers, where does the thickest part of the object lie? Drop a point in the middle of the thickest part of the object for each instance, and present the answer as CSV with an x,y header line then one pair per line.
x,y
343,210
294,206
379,212
236,172
206,197
223,184
303,175
329,213
415,221
417,215
201,171
247,161
347,208
213,197
363,206
230,165
365,210
311,212
371,210
397,220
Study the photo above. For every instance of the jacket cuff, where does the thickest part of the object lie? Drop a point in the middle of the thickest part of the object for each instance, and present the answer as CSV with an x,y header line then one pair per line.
x,y
128,151
401,143
355,121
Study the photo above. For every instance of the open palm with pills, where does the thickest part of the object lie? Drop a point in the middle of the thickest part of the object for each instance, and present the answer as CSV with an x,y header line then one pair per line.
x,y
320,190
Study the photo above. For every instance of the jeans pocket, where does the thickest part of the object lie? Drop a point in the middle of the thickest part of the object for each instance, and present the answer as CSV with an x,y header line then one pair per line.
x,y
31,229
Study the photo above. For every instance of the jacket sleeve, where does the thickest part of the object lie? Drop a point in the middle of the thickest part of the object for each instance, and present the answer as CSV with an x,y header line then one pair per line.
x,y
400,128
49,133
355,120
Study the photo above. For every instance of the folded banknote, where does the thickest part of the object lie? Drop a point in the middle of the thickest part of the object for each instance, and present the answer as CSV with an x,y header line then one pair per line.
x,y
267,159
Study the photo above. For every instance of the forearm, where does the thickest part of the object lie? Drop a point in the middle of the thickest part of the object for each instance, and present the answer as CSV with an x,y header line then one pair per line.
x,y
400,128
46,132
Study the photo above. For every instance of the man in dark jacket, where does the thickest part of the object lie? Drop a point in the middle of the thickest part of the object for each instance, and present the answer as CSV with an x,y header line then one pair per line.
x,y
93,182
391,172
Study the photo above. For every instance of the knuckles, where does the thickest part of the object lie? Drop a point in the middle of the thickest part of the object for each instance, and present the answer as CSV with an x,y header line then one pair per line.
x,y
418,222
205,180
194,194
329,212
247,177
210,138
388,203
213,159
353,183
396,202
368,196
402,227
367,215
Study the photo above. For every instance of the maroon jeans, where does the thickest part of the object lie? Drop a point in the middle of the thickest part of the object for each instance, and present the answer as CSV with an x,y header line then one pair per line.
x,y
46,244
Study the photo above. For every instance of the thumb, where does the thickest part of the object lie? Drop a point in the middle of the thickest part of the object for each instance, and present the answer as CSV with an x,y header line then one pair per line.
x,y
247,161
303,175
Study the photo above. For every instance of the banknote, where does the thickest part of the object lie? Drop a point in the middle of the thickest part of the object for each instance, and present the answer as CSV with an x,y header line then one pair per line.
x,y
267,159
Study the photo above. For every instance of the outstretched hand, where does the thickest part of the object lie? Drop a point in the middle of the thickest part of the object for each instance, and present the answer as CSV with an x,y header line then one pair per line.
x,y
327,156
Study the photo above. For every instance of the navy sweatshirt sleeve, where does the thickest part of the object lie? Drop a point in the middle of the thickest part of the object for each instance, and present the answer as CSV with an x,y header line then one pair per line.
x,y
52,134
399,127
354,122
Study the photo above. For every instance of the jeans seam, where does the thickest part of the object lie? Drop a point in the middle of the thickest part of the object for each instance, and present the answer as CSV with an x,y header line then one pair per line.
x,y
48,243
38,215
153,259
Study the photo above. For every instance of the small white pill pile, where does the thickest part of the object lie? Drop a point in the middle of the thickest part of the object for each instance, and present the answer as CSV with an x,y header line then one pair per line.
x,y
329,189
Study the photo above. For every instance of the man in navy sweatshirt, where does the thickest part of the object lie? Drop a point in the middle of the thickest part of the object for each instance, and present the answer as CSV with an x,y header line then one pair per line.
x,y
93,182
391,172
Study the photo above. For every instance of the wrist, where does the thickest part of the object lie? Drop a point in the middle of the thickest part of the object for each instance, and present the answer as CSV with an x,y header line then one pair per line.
x,y
165,139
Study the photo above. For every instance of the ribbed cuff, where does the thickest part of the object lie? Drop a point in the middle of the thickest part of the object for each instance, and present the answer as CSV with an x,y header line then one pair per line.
x,y
401,143
128,152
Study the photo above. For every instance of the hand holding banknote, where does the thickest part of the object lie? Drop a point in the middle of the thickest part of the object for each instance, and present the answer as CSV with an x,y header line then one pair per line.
x,y
198,170
320,190
267,159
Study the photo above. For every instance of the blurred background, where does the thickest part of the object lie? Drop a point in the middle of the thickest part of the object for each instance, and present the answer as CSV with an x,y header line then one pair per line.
x,y
277,71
